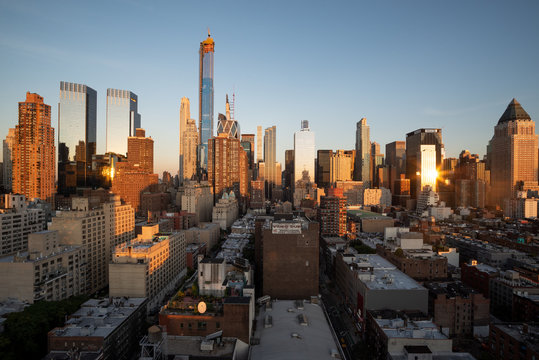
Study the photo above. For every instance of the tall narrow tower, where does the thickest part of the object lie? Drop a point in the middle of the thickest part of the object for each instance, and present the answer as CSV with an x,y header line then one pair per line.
x,y
185,115
259,153
269,154
363,152
513,154
205,101
34,151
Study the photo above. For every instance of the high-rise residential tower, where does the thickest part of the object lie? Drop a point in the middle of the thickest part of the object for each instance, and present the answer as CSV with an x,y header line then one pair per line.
x,y
7,179
513,154
185,115
424,155
205,100
122,119
363,152
304,153
77,134
189,145
34,168
259,153
269,155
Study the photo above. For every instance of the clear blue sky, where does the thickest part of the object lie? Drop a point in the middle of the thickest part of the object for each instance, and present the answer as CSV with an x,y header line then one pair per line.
x,y
402,64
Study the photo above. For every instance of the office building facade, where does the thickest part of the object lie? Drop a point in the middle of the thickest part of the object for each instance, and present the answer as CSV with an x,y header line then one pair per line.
x,y
363,152
205,100
513,154
122,119
424,155
304,153
77,135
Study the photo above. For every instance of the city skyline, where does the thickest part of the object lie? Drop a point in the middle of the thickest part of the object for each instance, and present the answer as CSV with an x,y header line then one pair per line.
x,y
438,79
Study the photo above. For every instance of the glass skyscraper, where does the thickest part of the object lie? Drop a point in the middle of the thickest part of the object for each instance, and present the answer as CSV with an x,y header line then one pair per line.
x,y
77,128
205,101
122,119
304,154
363,152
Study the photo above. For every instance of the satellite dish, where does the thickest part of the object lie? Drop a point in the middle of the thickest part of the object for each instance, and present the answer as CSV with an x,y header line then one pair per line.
x,y
201,307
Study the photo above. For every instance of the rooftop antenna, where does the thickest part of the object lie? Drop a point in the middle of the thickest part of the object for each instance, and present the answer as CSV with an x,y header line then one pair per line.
x,y
209,32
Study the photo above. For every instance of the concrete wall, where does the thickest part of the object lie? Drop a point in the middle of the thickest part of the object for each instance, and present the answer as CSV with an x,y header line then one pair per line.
x,y
397,300
127,280
17,281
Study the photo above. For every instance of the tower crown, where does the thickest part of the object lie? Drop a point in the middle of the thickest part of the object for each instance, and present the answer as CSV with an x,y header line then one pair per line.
x,y
514,112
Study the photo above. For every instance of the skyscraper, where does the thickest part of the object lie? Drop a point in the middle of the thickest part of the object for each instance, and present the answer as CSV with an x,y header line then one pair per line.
x,y
251,139
269,155
259,153
205,100
341,166
288,168
77,129
185,115
122,119
377,160
323,168
227,166
304,153
228,125
424,154
135,175
513,154
7,178
189,145
33,156
363,152
395,155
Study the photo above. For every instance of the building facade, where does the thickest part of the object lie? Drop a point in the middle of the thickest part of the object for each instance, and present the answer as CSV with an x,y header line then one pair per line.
x,y
332,213
289,252
148,267
304,153
424,154
513,154
7,169
17,222
77,134
205,99
33,157
363,152
122,119
47,270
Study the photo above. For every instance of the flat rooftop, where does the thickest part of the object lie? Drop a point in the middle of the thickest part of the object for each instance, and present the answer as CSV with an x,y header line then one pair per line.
x,y
191,346
379,274
99,317
288,339
422,329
